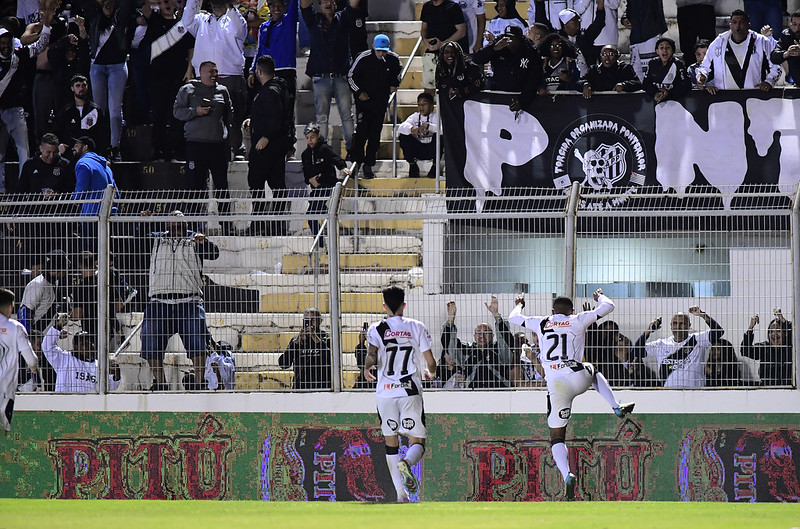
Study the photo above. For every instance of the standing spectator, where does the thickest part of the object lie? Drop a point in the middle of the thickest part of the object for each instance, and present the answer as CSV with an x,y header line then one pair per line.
x,y
560,68
609,75
361,357
608,350
697,20
722,366
92,177
666,76
358,29
765,13
486,362
206,108
700,50
775,354
110,26
399,386
322,168
277,38
475,18
610,33
43,298
516,66
788,49
13,91
645,19
329,62
82,118
507,15
680,357
375,75
442,22
219,39
309,354
738,59
171,48
546,11
176,297
563,334
14,343
77,370
583,39
271,134
417,135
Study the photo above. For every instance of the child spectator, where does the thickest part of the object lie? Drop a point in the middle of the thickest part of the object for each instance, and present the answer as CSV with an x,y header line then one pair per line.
x,y
700,50
417,135
666,76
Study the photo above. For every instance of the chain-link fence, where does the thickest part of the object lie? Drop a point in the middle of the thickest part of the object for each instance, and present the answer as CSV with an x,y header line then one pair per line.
x,y
254,300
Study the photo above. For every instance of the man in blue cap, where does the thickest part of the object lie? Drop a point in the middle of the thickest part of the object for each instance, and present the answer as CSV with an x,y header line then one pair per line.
x,y
375,74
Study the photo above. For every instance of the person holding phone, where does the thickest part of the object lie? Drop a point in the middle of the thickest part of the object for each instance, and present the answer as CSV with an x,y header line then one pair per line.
x,y
309,354
442,22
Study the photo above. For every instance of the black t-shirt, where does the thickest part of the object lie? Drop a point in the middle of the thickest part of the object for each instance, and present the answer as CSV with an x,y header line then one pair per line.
x,y
37,176
442,20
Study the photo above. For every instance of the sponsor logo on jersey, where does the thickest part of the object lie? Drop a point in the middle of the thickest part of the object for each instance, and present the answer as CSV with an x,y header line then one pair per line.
x,y
605,154
555,324
398,385
396,334
408,423
391,423
565,413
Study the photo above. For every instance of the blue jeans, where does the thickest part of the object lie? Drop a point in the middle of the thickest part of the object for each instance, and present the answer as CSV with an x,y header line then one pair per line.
x,y
108,87
763,12
13,125
163,320
325,89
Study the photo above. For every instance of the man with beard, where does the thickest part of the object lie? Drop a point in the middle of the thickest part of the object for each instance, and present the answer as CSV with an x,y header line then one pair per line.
x,y
82,118
788,48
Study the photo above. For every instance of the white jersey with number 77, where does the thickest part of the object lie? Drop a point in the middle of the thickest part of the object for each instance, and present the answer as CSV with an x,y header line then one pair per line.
x,y
401,343
561,337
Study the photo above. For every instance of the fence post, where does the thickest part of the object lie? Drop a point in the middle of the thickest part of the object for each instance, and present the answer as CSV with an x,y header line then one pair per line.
x,y
796,278
103,250
335,309
571,239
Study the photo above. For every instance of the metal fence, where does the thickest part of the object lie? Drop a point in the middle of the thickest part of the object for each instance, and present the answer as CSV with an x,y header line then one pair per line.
x,y
733,254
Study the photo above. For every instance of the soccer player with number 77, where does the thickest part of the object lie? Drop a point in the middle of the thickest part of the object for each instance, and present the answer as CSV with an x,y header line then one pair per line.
x,y
397,345
561,340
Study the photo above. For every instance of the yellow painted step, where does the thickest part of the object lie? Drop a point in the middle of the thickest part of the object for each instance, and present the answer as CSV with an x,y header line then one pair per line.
x,y
389,186
252,343
491,12
411,80
352,302
404,46
386,225
296,263
264,380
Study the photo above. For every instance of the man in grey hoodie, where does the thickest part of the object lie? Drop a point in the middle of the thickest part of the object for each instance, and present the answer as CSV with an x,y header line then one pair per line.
x,y
205,107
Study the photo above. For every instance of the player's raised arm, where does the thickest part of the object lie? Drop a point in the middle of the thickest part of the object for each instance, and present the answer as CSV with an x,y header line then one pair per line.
x,y
605,305
517,317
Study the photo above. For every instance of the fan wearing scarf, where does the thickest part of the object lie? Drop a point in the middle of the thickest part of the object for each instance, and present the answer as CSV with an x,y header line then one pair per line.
x,y
738,59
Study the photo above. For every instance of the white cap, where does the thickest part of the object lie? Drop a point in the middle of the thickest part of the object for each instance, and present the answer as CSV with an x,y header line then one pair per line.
x,y
565,15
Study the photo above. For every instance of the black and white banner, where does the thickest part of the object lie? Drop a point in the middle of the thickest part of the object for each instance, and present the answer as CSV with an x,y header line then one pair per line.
x,y
618,143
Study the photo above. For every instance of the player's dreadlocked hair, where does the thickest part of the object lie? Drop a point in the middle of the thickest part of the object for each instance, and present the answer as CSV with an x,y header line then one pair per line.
x,y
394,297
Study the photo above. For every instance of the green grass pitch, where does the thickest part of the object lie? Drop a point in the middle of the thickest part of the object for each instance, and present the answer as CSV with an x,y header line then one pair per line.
x,y
109,514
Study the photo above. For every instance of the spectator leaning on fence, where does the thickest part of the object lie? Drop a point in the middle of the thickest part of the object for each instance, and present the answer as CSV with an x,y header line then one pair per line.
x,y
219,38
609,75
309,354
176,298
775,354
788,49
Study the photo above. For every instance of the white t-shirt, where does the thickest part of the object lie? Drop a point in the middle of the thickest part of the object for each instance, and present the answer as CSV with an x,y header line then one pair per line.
x,y
740,51
471,10
498,25
72,375
401,343
561,338
13,342
683,361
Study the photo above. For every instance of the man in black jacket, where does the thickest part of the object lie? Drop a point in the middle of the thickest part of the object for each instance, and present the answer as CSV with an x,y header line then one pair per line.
x,y
609,75
82,118
375,74
320,165
270,138
516,66
309,354
788,48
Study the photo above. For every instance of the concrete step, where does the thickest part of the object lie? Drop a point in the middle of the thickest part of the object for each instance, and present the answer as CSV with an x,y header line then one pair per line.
x,y
275,380
299,263
351,302
349,282
278,342
259,361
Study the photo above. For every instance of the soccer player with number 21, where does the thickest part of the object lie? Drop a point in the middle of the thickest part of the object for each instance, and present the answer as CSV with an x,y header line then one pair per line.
x,y
397,346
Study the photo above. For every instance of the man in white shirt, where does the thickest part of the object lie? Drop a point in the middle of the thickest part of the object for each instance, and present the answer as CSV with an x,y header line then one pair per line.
x,y
738,59
397,347
475,18
561,339
13,344
219,38
417,135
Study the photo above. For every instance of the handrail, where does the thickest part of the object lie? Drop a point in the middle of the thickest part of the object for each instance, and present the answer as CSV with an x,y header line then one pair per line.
x,y
393,104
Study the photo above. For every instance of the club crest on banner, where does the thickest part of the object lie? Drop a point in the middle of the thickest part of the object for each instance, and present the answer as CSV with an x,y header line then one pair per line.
x,y
602,152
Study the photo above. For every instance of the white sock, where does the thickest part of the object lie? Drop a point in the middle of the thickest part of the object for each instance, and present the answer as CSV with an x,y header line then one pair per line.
x,y
414,454
601,385
397,477
562,459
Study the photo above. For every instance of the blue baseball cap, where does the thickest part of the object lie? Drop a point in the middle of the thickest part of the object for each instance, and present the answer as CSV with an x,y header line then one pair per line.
x,y
381,42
